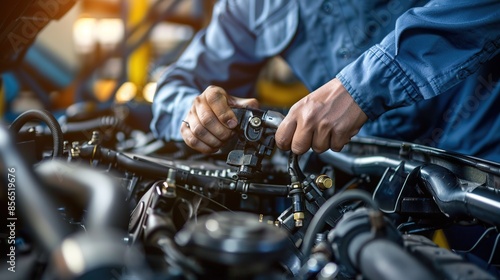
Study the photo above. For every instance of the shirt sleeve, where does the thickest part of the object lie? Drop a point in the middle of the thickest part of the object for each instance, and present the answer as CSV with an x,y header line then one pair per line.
x,y
431,49
229,53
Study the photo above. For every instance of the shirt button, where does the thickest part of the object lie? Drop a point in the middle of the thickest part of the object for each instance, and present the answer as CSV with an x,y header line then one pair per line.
x,y
327,7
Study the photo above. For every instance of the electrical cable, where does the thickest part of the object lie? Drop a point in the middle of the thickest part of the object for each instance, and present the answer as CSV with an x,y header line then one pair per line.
x,y
494,249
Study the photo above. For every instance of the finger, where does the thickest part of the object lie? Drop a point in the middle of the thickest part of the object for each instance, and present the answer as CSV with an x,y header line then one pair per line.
x,y
302,140
243,102
217,100
210,121
192,141
337,142
321,140
284,134
196,143
201,132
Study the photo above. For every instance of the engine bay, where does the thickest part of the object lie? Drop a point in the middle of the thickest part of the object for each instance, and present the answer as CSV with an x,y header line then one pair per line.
x,y
89,196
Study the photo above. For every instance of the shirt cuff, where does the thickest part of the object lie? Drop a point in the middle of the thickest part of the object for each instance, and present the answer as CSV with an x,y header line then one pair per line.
x,y
169,110
377,83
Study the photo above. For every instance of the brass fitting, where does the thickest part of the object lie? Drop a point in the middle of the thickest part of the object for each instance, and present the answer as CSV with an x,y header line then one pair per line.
x,y
324,182
299,219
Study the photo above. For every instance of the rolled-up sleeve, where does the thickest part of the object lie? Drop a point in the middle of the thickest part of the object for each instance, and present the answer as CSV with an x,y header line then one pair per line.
x,y
431,49
229,53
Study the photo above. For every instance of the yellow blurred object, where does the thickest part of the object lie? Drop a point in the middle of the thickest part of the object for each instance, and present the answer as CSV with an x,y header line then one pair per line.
x,y
280,94
440,239
139,59
103,89
148,93
126,92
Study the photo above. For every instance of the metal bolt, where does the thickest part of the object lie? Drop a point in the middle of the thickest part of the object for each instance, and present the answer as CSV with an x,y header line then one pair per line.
x,y
255,122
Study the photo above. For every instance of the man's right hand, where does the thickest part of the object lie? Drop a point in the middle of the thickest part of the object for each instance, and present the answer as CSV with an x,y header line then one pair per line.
x,y
211,119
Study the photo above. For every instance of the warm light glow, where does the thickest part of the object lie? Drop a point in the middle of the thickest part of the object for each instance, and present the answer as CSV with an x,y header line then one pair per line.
x,y
84,31
103,89
126,92
110,31
149,92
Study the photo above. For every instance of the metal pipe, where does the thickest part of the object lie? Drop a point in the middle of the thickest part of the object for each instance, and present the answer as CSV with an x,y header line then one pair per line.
x,y
358,165
457,200
453,199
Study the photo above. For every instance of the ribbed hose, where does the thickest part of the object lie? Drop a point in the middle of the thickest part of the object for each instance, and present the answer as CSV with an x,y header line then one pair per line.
x,y
46,117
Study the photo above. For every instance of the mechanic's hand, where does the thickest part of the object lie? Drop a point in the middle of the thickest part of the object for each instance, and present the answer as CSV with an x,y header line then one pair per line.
x,y
211,119
325,119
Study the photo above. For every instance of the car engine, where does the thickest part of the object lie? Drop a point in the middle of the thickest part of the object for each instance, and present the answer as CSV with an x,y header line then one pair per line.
x,y
88,196
91,194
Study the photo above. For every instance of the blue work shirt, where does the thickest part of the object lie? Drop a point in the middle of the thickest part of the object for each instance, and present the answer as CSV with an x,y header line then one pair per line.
x,y
422,72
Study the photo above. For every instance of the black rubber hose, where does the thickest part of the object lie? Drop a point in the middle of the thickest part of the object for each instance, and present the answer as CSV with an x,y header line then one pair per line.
x,y
121,160
294,169
44,116
318,221
268,189
94,191
36,206
384,259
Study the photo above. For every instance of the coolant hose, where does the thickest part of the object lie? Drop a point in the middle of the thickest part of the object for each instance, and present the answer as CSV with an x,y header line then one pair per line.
x,y
44,116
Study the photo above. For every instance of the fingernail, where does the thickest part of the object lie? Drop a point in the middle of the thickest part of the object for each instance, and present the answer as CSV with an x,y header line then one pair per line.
x,y
231,123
